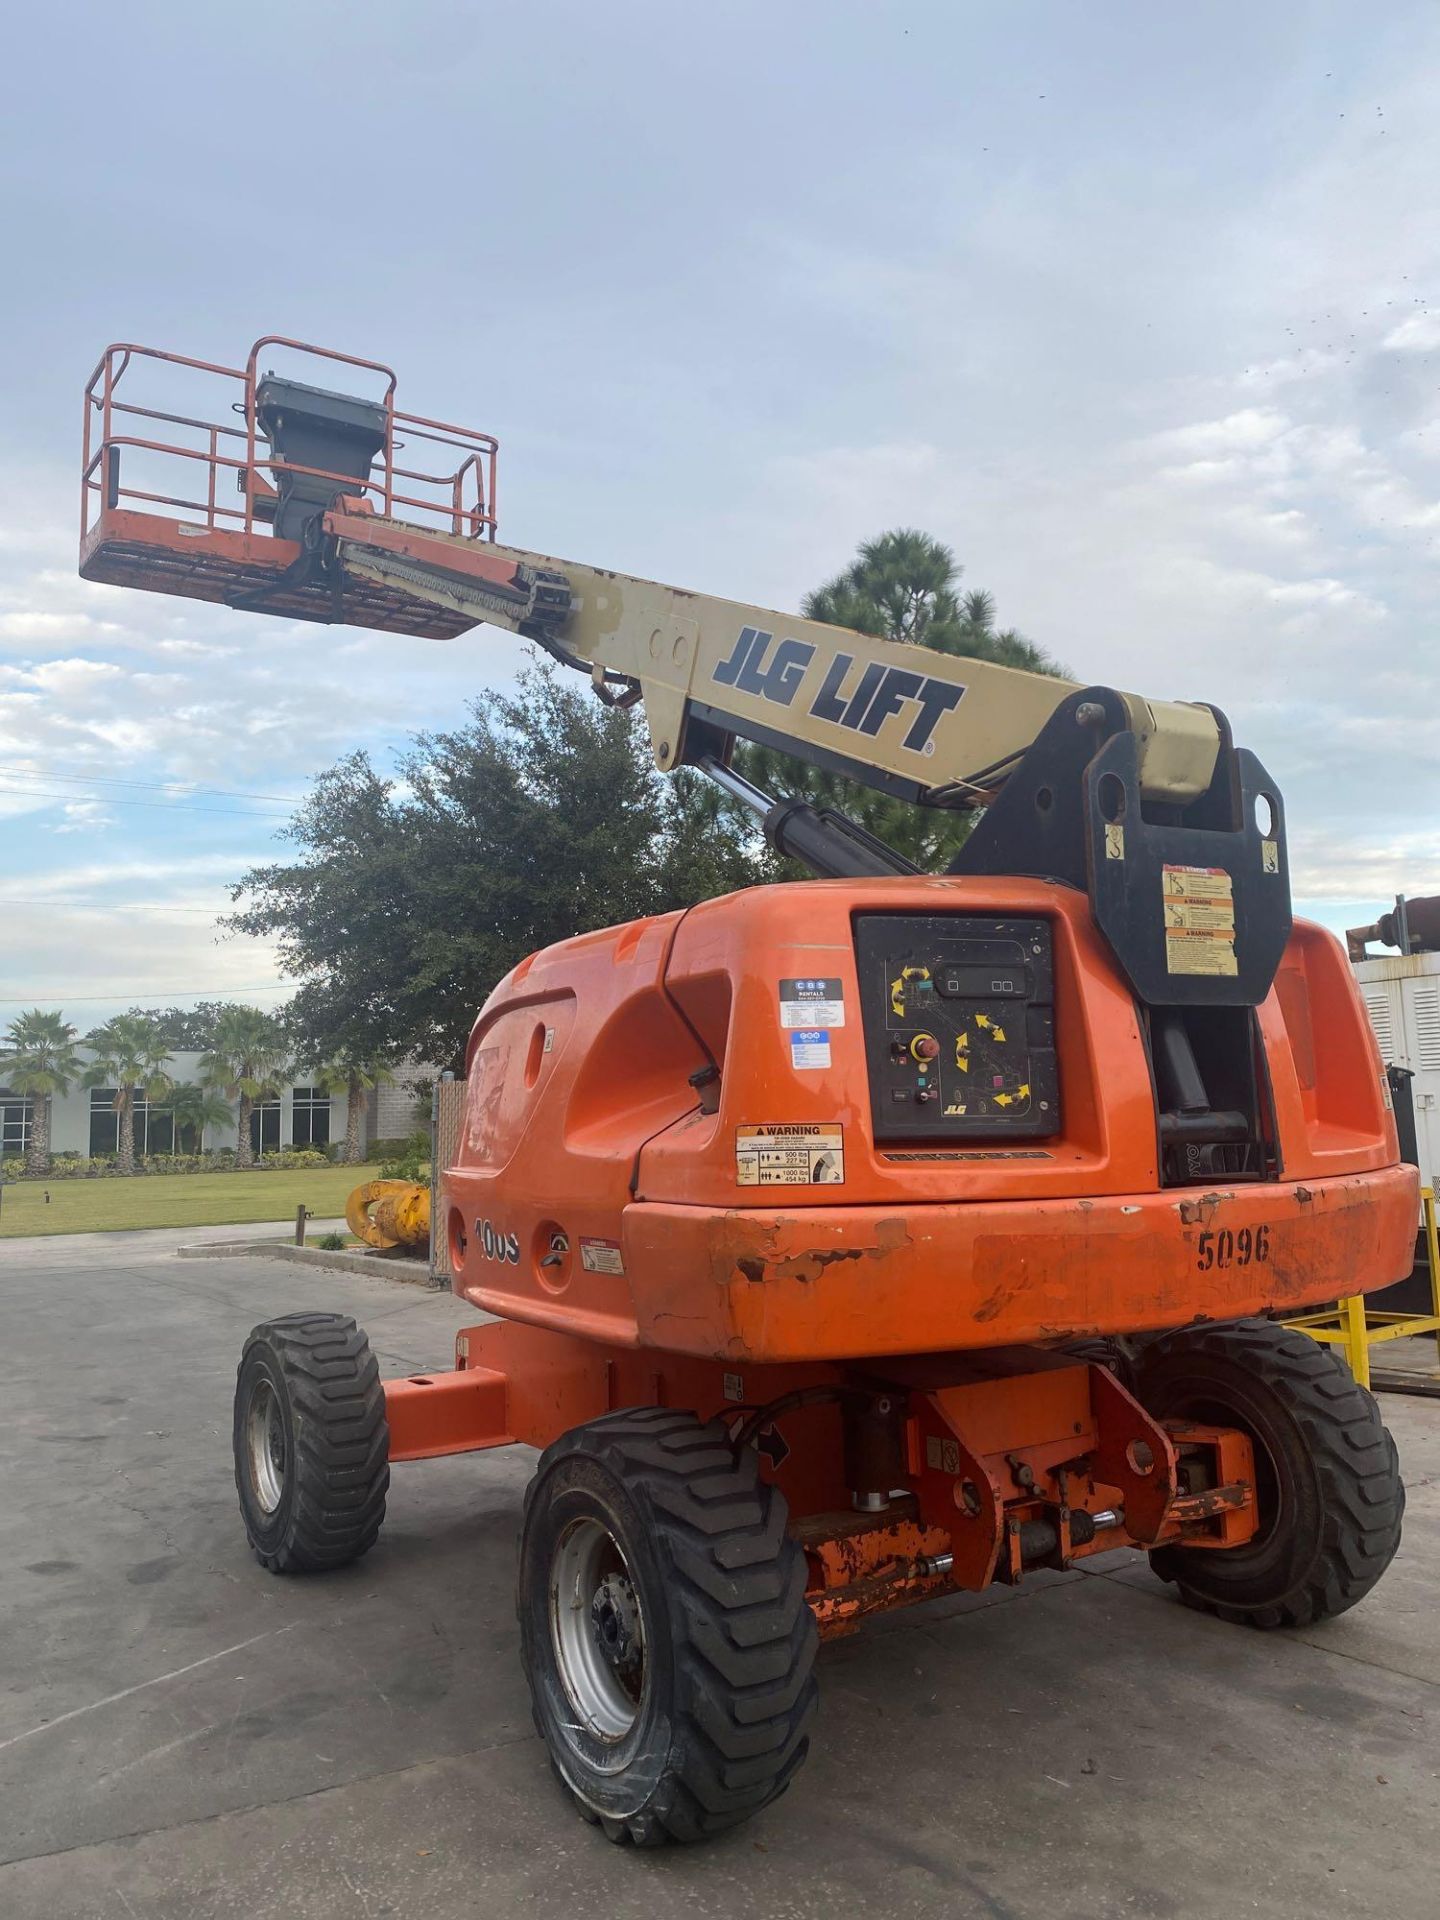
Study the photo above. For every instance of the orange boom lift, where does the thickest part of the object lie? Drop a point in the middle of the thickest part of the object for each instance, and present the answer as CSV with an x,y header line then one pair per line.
x,y
840,1243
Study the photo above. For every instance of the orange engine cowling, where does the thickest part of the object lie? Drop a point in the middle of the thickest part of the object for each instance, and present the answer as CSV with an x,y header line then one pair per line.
x,y
864,1117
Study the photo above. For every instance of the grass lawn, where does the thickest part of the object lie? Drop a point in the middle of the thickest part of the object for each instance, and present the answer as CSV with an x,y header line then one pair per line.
x,y
110,1204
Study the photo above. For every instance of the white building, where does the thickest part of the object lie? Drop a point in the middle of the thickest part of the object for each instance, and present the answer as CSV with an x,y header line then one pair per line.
x,y
84,1120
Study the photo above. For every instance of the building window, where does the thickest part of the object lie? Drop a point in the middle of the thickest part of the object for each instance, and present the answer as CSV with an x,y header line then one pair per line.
x,y
15,1118
310,1111
154,1125
104,1121
265,1128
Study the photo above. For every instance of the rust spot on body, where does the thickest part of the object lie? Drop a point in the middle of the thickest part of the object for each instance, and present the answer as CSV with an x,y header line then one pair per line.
x,y
1196,1213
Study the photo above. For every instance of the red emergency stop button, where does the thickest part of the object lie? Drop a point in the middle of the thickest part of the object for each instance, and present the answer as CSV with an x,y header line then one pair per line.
x,y
925,1046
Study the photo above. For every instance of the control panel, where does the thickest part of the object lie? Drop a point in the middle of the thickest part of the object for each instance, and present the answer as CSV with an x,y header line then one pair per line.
x,y
959,1018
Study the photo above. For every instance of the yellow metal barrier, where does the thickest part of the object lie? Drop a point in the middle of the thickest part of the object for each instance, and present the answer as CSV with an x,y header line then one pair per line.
x,y
1355,1327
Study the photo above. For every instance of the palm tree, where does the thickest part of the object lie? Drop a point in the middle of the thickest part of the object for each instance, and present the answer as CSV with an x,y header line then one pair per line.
x,y
247,1062
354,1075
39,1062
195,1108
129,1056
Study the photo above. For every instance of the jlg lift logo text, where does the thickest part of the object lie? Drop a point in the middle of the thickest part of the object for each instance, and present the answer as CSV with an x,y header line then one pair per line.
x,y
863,707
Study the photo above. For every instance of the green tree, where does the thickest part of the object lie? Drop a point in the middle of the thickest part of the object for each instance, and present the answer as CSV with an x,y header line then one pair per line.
x,y
903,585
39,1061
247,1062
355,1076
195,1109
130,1056
542,816
185,1029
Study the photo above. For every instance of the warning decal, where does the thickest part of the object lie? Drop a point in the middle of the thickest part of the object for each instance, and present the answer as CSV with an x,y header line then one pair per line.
x,y
1199,908
812,1003
785,1156
601,1256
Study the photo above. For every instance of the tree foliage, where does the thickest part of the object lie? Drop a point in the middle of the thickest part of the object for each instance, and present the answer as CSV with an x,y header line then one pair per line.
x,y
196,1109
905,586
130,1055
38,1060
185,1029
355,1075
248,1060
540,817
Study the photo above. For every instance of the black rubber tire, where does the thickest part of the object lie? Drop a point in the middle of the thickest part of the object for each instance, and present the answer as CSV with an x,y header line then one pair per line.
x,y
1326,1468
728,1692
317,1372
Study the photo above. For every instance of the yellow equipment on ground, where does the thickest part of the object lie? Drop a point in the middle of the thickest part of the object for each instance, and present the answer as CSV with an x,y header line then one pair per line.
x,y
390,1213
1355,1327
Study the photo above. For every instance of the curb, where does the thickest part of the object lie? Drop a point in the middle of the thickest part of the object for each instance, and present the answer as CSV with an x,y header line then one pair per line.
x,y
410,1273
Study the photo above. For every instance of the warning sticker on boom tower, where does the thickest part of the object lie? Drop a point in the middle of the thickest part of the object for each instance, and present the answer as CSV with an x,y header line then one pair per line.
x,y
1199,907
781,1156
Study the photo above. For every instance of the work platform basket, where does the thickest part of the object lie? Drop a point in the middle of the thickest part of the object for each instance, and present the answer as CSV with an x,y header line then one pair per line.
x,y
233,510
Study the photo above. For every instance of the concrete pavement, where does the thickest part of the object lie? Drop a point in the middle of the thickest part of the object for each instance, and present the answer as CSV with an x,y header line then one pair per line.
x,y
181,1735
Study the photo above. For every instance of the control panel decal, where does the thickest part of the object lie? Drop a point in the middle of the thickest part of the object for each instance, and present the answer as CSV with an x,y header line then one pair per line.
x,y
907,1154
790,1156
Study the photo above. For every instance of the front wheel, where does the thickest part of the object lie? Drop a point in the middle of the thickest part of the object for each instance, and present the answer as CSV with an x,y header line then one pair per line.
x,y
1328,1486
664,1628
311,1443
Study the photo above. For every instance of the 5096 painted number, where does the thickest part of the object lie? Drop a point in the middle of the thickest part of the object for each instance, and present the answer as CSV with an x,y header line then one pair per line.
x,y
1219,1247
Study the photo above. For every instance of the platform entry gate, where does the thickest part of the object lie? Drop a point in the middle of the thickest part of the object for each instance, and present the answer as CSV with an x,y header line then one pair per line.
x,y
447,1108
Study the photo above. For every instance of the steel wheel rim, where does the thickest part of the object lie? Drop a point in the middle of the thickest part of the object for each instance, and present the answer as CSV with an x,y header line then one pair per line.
x,y
265,1446
597,1628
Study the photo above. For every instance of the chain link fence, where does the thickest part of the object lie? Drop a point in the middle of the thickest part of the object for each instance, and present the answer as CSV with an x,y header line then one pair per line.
x,y
447,1111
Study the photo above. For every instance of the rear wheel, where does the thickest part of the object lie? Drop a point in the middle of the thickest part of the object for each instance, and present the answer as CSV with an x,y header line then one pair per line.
x,y
311,1444
1328,1483
664,1628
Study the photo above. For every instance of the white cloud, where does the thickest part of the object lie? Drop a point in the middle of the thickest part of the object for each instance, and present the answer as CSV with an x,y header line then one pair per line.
x,y
68,627
1328,593
84,816
1240,432
1417,333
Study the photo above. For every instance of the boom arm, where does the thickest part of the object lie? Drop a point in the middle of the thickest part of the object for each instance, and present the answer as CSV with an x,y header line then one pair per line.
x,y
908,721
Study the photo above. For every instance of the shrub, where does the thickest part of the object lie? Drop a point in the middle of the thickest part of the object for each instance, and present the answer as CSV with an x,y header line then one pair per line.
x,y
412,1162
393,1149
332,1242
78,1166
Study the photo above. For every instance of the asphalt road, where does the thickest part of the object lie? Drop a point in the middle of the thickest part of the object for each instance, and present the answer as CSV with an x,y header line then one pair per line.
x,y
184,1736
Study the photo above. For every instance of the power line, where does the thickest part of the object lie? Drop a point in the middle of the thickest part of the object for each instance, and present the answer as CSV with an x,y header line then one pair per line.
x,y
133,993
108,906
152,786
174,806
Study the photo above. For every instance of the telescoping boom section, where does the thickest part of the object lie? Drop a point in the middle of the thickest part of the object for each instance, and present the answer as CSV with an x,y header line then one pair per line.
x,y
841,1243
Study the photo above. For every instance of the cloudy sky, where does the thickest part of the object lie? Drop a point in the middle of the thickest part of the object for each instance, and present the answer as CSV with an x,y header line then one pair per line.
x,y
1138,307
